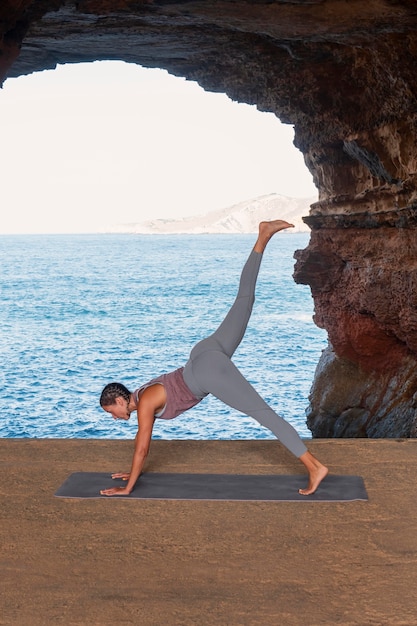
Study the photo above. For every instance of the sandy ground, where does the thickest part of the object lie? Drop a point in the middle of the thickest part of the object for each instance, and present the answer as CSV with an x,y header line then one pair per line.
x,y
163,563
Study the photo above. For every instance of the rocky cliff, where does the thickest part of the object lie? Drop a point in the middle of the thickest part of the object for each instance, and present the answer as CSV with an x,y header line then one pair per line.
x,y
344,74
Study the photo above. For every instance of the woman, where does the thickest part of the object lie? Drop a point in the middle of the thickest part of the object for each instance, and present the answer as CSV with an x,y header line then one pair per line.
x,y
208,370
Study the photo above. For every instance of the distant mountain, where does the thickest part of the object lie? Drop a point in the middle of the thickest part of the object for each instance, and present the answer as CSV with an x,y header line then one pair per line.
x,y
239,218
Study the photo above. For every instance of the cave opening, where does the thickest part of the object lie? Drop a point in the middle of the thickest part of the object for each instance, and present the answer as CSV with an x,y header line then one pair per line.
x,y
94,135
110,143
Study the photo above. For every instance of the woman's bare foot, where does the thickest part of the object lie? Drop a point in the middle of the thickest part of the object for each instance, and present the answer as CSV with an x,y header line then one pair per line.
x,y
267,230
316,472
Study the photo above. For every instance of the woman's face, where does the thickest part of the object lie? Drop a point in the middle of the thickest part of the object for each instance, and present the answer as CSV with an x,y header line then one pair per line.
x,y
119,410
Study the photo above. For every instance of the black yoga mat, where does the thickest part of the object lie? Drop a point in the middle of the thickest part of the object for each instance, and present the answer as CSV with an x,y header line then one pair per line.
x,y
216,487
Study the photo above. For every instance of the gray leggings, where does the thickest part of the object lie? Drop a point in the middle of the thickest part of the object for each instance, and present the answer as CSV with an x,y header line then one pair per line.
x,y
210,369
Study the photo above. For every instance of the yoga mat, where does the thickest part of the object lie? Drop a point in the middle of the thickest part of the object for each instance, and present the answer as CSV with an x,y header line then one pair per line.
x,y
163,486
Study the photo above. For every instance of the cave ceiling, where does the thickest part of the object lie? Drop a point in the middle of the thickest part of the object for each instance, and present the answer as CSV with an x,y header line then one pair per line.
x,y
302,60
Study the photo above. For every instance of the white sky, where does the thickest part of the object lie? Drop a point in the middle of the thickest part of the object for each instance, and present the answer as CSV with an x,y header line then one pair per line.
x,y
88,146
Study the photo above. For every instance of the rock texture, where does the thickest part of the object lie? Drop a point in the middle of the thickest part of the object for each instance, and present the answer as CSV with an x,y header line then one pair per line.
x,y
344,74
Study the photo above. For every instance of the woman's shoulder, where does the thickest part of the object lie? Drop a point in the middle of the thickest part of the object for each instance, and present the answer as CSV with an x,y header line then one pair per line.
x,y
153,396
154,387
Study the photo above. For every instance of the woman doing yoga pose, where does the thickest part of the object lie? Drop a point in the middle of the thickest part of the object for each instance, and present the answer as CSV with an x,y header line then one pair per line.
x,y
208,370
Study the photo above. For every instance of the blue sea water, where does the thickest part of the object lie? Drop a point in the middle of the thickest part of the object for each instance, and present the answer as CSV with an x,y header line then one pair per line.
x,y
78,311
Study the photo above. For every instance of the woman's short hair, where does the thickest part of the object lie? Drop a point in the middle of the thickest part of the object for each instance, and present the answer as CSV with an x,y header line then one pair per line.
x,y
113,391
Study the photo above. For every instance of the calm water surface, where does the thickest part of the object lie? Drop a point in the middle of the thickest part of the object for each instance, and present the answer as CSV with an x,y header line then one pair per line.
x,y
78,311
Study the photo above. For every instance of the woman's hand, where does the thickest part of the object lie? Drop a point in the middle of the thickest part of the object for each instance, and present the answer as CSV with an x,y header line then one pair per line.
x,y
115,491
122,475
151,400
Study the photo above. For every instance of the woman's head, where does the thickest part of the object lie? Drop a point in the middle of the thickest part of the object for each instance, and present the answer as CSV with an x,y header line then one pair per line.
x,y
113,391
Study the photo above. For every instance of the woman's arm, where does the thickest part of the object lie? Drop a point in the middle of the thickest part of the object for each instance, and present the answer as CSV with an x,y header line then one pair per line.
x,y
152,399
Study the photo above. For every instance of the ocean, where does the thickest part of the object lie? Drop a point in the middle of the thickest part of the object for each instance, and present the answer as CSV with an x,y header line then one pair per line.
x,y
79,311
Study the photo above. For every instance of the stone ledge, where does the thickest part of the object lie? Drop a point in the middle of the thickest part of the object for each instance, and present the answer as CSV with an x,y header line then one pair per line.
x,y
189,563
398,218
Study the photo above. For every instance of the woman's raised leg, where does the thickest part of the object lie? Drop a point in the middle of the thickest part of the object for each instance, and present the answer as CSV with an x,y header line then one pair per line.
x,y
230,333
232,329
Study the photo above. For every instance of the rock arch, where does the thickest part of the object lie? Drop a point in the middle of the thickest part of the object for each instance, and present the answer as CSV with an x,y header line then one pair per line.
x,y
344,74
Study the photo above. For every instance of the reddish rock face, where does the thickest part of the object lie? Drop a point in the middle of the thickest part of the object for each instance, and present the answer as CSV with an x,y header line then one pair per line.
x,y
344,74
357,269
366,381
